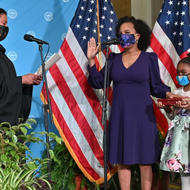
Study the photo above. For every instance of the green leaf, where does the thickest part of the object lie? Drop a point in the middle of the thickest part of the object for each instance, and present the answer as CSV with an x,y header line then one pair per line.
x,y
12,144
4,158
31,165
24,176
14,138
52,135
58,140
6,181
27,125
16,180
13,153
30,188
15,128
15,166
31,121
6,141
24,130
42,133
51,154
2,173
47,182
7,124
12,176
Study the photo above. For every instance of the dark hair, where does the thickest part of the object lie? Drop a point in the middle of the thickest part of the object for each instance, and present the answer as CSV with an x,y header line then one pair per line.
x,y
2,11
141,28
185,60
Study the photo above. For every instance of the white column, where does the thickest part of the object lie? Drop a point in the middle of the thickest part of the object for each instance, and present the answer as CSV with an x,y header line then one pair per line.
x,y
147,10
156,6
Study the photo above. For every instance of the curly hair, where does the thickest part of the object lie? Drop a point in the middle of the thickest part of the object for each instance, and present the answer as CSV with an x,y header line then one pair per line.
x,y
141,28
2,12
185,60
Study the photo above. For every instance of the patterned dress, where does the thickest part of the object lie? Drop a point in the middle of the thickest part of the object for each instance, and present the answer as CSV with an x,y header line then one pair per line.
x,y
175,155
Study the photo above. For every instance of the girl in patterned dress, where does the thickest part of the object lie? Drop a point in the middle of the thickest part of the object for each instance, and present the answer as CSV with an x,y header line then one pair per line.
x,y
175,155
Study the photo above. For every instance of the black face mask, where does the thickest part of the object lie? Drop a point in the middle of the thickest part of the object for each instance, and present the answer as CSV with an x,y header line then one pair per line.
x,y
3,32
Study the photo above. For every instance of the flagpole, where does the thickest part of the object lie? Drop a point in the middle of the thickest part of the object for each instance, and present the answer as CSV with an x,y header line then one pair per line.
x,y
98,36
104,106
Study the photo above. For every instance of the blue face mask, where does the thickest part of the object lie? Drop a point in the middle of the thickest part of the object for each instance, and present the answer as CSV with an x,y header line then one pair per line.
x,y
127,40
183,80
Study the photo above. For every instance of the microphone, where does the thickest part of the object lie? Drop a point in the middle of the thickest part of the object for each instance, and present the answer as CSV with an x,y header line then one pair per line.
x,y
31,38
111,42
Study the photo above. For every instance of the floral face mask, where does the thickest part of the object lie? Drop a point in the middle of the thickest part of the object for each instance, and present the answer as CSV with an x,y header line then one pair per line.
x,y
127,40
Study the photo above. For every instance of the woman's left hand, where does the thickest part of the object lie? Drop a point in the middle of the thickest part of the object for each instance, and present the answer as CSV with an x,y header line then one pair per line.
x,y
171,95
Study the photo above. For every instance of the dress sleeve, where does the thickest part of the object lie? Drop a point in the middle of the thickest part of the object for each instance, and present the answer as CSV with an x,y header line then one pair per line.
x,y
96,78
157,87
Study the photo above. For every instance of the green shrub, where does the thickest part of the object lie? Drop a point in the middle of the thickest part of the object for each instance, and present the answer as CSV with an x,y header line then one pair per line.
x,y
16,171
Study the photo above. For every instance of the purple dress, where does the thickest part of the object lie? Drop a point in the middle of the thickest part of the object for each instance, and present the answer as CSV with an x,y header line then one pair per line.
x,y
132,133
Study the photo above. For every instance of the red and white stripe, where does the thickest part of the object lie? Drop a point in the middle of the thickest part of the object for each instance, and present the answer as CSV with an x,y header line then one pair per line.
x,y
167,59
76,107
77,110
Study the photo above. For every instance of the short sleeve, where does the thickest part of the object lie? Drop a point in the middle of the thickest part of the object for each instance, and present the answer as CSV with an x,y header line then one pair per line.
x,y
157,87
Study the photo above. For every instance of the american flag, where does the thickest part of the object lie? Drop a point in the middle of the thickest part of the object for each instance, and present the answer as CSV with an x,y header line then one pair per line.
x,y
76,107
170,41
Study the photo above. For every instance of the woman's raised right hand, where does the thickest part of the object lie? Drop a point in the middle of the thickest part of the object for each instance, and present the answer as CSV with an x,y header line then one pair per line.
x,y
92,51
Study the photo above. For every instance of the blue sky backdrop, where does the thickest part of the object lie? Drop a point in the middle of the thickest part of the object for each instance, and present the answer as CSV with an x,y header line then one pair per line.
x,y
45,19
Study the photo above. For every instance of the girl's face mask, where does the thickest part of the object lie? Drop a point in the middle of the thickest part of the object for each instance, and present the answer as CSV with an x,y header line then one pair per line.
x,y
183,80
127,40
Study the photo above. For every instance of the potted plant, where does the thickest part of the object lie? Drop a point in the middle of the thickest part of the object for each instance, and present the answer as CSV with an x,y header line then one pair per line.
x,y
16,171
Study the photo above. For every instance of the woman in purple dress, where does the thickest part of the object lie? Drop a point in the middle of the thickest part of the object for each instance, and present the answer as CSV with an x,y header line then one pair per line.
x,y
132,134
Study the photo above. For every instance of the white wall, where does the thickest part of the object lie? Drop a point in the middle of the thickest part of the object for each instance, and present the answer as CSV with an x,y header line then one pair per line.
x,y
146,10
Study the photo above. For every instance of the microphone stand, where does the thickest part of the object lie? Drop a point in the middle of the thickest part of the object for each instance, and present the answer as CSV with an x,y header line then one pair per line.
x,y
46,107
104,116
